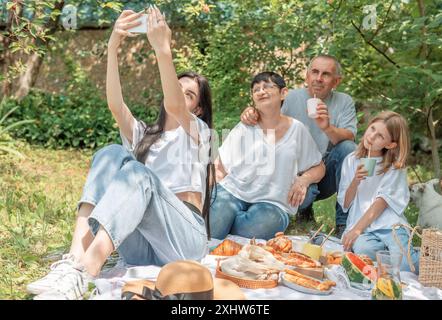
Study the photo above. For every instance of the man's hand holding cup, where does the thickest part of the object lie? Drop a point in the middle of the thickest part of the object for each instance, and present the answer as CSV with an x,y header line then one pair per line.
x,y
318,110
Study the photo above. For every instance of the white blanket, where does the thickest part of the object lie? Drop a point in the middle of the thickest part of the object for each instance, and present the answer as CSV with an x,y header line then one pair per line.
x,y
111,281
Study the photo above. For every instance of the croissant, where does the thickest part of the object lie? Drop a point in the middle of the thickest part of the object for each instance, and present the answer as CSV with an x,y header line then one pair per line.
x,y
280,243
306,281
298,259
227,248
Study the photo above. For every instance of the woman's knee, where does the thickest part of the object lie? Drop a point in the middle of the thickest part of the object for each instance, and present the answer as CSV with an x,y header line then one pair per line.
x,y
270,215
138,172
111,153
136,166
112,149
262,221
220,195
224,206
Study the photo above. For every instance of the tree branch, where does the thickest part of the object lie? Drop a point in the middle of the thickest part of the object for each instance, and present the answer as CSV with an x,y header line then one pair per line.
x,y
423,52
374,91
434,151
383,22
373,46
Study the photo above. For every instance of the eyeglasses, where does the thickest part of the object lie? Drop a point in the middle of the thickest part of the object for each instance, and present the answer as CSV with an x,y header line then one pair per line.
x,y
266,87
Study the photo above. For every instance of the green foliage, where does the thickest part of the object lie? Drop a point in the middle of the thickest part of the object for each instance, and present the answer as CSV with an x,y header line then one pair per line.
x,y
29,26
78,117
7,144
79,120
392,64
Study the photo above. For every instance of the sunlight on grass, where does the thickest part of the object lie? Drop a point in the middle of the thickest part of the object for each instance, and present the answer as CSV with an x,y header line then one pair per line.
x,y
37,210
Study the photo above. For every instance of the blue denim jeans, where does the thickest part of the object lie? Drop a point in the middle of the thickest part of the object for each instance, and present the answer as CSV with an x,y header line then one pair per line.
x,y
146,222
329,185
370,242
230,215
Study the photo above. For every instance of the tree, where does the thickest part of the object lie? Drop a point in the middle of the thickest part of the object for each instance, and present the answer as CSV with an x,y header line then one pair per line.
x,y
390,52
30,28
24,36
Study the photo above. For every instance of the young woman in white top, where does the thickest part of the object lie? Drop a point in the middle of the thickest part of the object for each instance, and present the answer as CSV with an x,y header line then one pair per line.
x,y
263,171
378,202
149,198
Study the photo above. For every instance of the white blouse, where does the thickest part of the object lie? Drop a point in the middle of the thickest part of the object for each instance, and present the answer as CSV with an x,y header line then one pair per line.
x,y
260,170
391,186
175,157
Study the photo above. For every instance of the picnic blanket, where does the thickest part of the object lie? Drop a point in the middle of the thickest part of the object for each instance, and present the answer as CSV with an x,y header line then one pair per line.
x,y
110,282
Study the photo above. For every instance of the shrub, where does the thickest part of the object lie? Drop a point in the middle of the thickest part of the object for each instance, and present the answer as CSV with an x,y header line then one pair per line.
x,y
7,144
63,121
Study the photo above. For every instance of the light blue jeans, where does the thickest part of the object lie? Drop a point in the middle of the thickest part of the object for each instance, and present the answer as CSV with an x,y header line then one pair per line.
x,y
369,243
230,215
146,222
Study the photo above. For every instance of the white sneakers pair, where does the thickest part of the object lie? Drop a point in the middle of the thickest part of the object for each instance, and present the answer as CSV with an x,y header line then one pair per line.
x,y
66,281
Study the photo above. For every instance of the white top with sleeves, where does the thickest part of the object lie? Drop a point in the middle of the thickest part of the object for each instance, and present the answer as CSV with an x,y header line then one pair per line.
x,y
175,157
391,186
258,170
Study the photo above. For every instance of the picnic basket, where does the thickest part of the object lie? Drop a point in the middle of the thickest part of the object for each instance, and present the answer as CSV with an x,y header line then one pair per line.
x,y
430,258
245,283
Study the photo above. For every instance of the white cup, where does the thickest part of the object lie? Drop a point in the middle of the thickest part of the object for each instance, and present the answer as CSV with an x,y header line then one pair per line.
x,y
312,103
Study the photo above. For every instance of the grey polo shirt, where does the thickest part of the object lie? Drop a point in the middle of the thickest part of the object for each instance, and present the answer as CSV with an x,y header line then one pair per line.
x,y
341,109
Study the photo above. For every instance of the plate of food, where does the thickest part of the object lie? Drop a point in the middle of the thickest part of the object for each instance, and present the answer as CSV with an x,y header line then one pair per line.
x,y
305,284
297,259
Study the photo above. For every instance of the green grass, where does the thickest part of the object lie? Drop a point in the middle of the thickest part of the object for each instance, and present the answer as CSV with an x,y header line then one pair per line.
x,y
37,212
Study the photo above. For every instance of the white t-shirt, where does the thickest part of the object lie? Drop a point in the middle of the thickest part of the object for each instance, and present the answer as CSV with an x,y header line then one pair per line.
x,y
175,157
258,170
391,186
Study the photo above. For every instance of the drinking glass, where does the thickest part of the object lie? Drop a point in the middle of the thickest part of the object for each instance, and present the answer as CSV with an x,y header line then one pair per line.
x,y
388,283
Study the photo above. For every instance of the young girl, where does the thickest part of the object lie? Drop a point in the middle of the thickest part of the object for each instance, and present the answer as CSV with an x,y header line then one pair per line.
x,y
377,202
144,198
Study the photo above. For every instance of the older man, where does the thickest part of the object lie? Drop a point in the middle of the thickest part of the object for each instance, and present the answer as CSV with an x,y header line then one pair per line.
x,y
333,130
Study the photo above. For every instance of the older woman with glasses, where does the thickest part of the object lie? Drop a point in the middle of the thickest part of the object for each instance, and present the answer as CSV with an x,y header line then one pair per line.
x,y
263,171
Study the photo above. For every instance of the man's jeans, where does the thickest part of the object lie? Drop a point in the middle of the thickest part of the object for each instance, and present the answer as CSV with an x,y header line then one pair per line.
x,y
146,222
229,214
329,185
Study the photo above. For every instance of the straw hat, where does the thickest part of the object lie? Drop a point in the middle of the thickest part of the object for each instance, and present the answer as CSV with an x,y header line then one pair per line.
x,y
182,280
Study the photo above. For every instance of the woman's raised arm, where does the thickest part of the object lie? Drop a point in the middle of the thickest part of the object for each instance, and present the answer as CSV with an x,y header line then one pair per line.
x,y
119,109
160,37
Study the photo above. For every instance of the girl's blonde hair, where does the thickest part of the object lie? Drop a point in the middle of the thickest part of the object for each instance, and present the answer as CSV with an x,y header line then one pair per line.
x,y
398,129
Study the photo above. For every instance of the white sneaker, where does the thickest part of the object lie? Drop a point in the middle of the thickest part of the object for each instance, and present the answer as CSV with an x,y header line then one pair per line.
x,y
58,269
71,286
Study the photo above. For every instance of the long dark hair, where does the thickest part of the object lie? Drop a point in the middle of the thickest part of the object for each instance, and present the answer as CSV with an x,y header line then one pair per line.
x,y
153,132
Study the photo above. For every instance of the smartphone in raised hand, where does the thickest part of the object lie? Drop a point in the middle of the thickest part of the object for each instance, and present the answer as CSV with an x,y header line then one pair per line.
x,y
142,28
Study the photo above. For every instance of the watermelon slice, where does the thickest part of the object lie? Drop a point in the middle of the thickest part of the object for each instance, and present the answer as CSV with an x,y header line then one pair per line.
x,y
357,270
